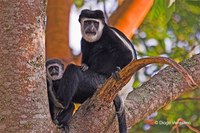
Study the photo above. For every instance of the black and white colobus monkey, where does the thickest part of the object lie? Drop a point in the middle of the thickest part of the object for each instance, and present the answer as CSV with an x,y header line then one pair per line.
x,y
105,50
54,72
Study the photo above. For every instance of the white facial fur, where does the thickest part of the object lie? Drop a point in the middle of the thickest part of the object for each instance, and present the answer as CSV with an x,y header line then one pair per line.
x,y
90,37
55,77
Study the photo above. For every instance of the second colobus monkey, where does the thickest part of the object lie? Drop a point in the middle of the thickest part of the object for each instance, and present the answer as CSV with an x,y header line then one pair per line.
x,y
54,73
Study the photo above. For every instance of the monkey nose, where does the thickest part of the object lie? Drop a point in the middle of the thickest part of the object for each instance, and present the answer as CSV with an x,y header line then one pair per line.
x,y
54,70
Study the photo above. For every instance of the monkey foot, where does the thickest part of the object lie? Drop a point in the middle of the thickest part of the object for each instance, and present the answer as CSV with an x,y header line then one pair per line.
x,y
116,74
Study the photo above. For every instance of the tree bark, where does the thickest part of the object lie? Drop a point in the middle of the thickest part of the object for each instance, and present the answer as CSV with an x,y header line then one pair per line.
x,y
161,89
23,94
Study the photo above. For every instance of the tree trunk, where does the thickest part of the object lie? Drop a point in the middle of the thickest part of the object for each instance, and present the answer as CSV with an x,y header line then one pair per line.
x,y
23,94
57,30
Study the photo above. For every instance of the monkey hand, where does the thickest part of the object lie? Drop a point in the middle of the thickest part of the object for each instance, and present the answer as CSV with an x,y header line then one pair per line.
x,y
49,81
84,67
116,73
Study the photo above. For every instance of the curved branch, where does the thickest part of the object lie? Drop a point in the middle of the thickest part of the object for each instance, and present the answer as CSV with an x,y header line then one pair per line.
x,y
96,115
111,87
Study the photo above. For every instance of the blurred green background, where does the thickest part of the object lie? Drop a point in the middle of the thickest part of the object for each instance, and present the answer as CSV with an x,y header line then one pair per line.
x,y
172,32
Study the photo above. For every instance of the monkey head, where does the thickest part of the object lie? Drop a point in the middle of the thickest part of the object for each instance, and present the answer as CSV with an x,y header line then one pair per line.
x,y
54,68
92,24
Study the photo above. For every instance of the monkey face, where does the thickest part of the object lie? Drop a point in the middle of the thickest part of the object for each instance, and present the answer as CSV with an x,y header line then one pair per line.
x,y
91,29
54,71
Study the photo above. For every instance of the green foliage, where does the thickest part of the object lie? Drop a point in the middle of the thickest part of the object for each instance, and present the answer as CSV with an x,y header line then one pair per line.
x,y
157,9
174,32
79,3
160,7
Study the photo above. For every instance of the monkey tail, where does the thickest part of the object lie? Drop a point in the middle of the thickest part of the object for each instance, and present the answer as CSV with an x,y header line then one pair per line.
x,y
120,114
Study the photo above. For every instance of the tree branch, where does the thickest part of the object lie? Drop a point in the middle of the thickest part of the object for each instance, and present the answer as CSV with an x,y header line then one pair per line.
x,y
57,30
130,15
96,115
109,90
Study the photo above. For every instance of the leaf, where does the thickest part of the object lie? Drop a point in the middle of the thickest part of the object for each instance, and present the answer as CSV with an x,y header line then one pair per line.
x,y
194,2
162,6
157,9
79,3
168,11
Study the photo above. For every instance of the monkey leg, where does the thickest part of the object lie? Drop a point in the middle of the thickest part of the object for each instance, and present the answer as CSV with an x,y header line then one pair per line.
x,y
64,117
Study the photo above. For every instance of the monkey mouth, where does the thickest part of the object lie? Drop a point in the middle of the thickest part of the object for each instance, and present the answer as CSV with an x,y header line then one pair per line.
x,y
54,74
91,33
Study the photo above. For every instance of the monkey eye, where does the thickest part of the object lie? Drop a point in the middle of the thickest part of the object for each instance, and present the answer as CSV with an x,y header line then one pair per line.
x,y
50,69
96,24
87,22
53,68
57,68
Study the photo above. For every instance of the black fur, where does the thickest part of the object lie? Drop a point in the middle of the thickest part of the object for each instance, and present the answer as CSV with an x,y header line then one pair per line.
x,y
100,59
104,55
97,14
75,87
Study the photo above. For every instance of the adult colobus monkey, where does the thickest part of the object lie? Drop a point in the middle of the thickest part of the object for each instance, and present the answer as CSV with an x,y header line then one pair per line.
x,y
105,50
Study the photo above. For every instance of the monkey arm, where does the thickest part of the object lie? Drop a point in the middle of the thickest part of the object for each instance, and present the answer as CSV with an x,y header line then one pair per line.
x,y
53,94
